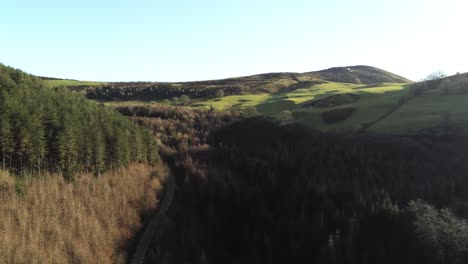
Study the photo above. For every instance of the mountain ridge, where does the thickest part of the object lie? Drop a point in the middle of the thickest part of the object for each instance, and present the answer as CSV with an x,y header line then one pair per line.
x,y
356,71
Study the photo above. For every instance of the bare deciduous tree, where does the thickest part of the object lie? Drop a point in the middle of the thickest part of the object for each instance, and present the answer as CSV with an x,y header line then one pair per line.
x,y
441,230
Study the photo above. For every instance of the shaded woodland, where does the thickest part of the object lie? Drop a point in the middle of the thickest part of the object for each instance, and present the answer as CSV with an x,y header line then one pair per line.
x,y
261,192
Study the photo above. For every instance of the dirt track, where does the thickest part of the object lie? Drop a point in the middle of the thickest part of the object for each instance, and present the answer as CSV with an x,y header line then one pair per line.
x,y
155,222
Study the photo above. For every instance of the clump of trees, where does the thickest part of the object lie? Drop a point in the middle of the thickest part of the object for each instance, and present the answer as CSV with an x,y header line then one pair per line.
x,y
220,94
457,84
179,128
184,100
438,80
45,129
284,117
435,76
432,81
441,230
161,91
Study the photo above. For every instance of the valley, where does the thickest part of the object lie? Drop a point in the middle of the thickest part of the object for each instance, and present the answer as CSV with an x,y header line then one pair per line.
x,y
233,132
336,166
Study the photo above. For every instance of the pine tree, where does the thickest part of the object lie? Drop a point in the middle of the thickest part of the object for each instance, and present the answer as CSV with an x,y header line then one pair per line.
x,y
68,151
99,152
6,141
54,129
38,144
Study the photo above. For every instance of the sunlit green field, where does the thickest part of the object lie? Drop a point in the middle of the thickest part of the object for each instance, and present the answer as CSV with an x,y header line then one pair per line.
x,y
55,83
296,97
426,111
374,102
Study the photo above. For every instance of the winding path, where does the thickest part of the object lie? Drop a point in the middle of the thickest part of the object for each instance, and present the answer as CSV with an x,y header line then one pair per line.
x,y
155,222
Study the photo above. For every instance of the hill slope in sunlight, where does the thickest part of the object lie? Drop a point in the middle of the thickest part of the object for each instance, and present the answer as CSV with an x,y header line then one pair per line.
x,y
358,74
255,84
341,99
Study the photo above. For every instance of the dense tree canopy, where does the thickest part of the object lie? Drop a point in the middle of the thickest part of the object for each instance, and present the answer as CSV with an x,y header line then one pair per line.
x,y
269,193
57,130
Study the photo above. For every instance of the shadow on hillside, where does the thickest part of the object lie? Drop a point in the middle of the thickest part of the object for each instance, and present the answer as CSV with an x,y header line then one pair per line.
x,y
275,106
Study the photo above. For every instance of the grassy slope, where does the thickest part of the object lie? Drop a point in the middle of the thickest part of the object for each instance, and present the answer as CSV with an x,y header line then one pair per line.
x,y
357,74
419,113
425,111
376,100
55,83
373,104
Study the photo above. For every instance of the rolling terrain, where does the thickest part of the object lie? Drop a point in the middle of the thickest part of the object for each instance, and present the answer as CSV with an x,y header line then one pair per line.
x,y
255,175
355,99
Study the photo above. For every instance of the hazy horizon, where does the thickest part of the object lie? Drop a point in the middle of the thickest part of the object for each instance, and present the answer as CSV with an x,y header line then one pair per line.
x,y
189,41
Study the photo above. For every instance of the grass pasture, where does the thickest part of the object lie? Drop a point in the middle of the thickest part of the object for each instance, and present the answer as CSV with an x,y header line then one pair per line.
x,y
374,102
69,83
375,108
426,111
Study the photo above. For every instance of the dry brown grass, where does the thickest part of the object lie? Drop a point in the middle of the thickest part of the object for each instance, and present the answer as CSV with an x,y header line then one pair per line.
x,y
88,221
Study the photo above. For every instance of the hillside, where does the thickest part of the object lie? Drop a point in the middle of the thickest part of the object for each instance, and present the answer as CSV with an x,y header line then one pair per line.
x,y
354,99
255,84
377,92
430,107
76,177
357,74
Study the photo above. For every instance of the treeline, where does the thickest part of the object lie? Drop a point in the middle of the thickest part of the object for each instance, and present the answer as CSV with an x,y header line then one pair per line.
x,y
265,193
180,128
142,91
44,129
155,92
456,84
152,92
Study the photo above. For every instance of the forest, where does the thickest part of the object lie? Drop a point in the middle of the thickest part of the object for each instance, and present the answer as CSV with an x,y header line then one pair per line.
x,y
258,191
52,129
234,132
249,188
76,177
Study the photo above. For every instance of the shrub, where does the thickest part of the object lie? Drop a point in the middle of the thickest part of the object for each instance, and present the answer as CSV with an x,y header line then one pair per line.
x,y
220,94
285,117
184,100
250,111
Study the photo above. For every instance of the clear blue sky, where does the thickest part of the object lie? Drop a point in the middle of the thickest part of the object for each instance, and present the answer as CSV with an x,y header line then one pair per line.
x,y
181,40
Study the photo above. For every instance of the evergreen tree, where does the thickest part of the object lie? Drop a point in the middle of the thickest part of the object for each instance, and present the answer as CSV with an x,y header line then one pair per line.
x,y
6,141
57,130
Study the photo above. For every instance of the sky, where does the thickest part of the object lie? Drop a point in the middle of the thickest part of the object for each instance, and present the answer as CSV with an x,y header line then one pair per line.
x,y
183,40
